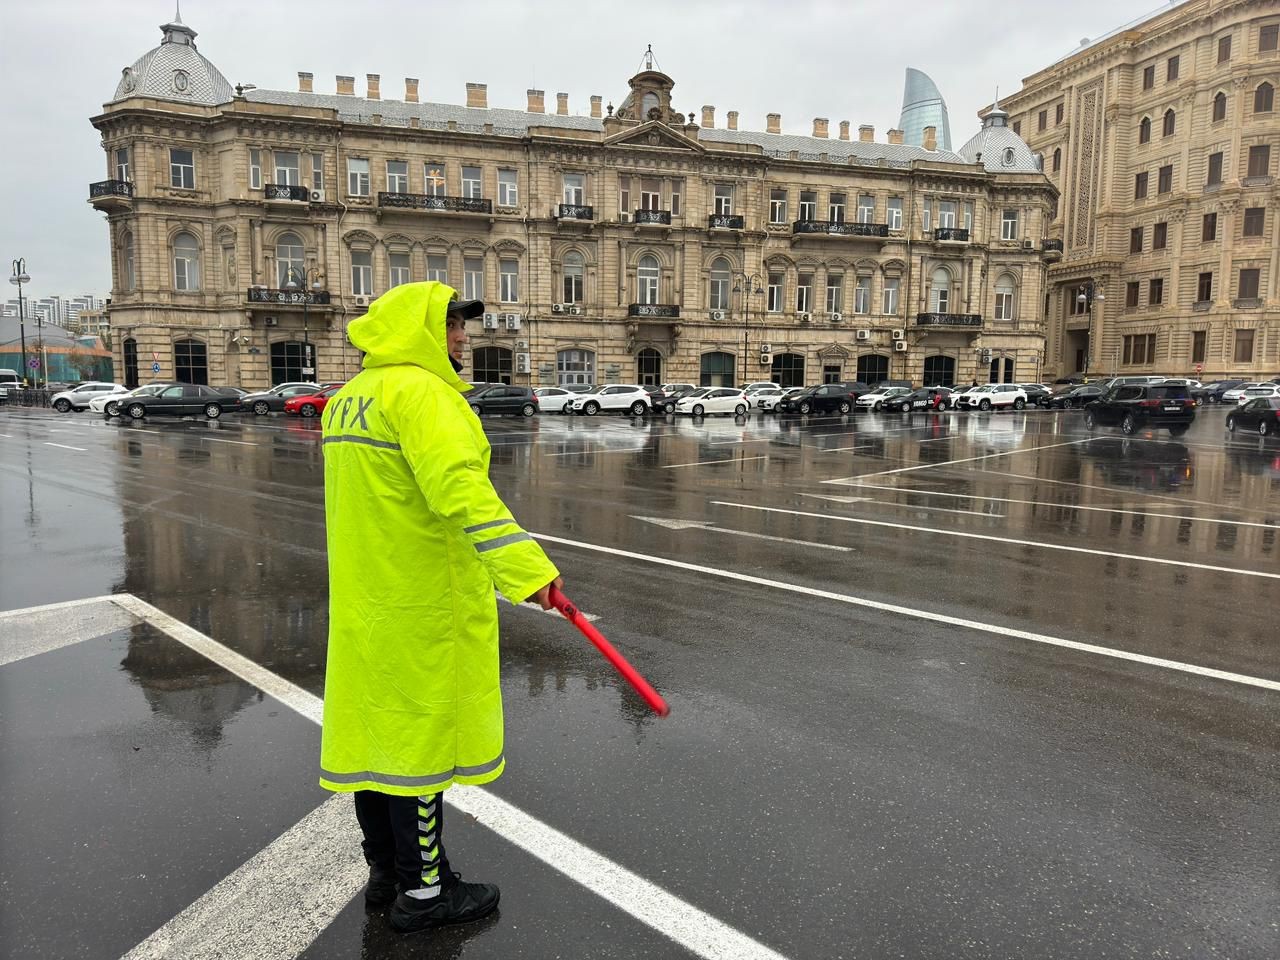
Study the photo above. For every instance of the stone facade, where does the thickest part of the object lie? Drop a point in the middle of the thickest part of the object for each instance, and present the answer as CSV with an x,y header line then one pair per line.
x,y
1162,98
688,267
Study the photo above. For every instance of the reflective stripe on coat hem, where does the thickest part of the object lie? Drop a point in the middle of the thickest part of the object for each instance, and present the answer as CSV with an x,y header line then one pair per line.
x,y
396,780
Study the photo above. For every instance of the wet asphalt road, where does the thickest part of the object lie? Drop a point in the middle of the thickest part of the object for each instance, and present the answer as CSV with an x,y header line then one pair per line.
x,y
935,741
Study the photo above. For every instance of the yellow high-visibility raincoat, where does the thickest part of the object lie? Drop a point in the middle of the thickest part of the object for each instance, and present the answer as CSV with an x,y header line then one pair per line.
x,y
418,539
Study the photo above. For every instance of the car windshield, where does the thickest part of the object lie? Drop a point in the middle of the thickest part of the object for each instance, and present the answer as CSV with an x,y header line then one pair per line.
x,y
698,393
1168,391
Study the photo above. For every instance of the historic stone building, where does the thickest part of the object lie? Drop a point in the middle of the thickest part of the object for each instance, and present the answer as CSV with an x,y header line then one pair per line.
x,y
1163,139
249,226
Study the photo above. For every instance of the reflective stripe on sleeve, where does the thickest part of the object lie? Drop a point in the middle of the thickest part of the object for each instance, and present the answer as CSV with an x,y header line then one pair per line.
x,y
488,525
367,441
486,545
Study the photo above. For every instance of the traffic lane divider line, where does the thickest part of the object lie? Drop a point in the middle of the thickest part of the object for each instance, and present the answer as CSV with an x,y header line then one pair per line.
x,y
976,625
903,506
706,463
949,463
1121,493
50,443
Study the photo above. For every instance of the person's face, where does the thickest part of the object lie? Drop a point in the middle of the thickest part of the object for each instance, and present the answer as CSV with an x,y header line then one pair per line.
x,y
456,335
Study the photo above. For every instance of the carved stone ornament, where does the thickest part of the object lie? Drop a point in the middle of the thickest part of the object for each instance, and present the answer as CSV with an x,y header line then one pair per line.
x,y
128,80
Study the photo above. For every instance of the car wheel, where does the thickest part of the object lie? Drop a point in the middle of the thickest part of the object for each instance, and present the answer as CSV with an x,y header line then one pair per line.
x,y
475,408
528,410
1090,421
1019,404
260,408
740,410
698,410
568,407
1263,428
669,409
844,406
806,407
137,411
1231,424
591,408
1129,424
112,409
878,407
638,408
62,406
212,411
984,406
1179,430
307,410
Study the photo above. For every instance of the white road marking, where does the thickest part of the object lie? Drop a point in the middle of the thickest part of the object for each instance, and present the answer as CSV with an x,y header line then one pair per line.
x,y
1056,506
584,453
917,614
243,443
708,527
57,625
1116,492
902,506
705,463
949,463
729,443
1010,540
50,443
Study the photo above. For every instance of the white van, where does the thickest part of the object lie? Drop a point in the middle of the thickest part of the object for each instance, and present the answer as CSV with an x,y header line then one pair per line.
x,y
9,380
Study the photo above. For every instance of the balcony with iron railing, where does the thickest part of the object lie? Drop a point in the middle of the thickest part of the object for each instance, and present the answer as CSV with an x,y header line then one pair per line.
x,y
288,298
654,311
285,193
839,228
726,221
111,194
951,235
652,218
575,211
432,203
949,320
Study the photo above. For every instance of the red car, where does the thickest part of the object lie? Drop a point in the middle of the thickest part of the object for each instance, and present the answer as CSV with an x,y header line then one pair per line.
x,y
310,405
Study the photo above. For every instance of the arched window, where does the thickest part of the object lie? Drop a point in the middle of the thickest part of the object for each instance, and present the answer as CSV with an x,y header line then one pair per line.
x,y
1170,122
1144,130
1220,107
574,277
939,371
1057,159
941,291
873,368
648,274
491,364
717,370
130,348
1263,98
290,363
128,266
290,261
575,366
649,367
1004,297
787,370
186,262
190,361
720,284
649,102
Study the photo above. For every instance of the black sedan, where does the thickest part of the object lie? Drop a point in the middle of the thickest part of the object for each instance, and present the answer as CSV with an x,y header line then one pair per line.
x,y
182,400
1037,394
1261,415
1212,392
926,398
828,398
1077,397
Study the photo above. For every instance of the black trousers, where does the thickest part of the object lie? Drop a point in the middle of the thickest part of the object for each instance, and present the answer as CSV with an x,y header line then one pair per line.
x,y
404,834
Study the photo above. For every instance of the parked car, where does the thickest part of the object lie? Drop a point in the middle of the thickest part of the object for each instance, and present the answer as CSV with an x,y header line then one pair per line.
x,y
768,402
1259,414
755,385
1261,390
1133,406
181,400
1212,392
504,398
885,384
554,399
1037,394
714,400
614,397
926,398
678,390
765,398
9,380
824,398
108,404
876,398
1075,397
311,404
1233,394
272,401
660,400
78,399
993,396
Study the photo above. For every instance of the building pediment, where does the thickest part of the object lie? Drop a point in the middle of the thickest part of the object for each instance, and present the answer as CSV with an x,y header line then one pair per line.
x,y
833,351
654,134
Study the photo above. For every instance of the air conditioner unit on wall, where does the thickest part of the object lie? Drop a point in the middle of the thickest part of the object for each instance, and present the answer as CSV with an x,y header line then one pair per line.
x,y
522,344
317,196
557,308
837,317
766,348
766,359
270,321
624,218
900,346
522,363
805,317
864,334
362,301
899,334
575,311
717,314
1027,245
513,321
491,321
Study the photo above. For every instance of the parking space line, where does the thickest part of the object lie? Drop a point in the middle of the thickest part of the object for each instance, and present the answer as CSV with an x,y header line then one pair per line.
x,y
705,463
243,443
50,443
1009,540
976,625
949,463
904,506
1181,501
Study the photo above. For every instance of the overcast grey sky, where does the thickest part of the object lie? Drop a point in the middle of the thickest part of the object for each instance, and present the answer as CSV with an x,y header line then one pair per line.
x,y
807,58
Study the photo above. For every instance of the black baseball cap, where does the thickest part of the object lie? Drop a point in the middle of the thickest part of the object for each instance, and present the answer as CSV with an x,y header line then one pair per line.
x,y
467,309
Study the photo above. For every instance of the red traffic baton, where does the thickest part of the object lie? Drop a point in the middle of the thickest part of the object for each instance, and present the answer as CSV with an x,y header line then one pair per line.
x,y
629,673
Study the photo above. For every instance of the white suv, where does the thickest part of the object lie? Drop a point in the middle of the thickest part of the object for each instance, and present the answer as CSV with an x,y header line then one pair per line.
x,y
78,399
613,396
991,396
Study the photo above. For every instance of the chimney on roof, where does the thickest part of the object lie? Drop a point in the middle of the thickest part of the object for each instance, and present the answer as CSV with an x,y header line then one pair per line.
x,y
346,86
708,116
478,95
562,104
844,129
410,89
867,133
895,136
537,100
595,106
773,123
373,84
820,127
931,138
305,82
733,119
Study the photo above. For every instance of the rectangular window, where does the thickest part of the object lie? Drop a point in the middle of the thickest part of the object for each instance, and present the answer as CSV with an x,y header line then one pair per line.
x,y
1004,305
508,189
867,208
1155,291
575,189
890,298
1160,236
1009,225
1164,183
1078,305
472,187
925,213
895,213
1244,346
473,278
774,304
1215,168
723,200
1259,160
397,176
1254,219
573,271
808,205
509,281
1148,77
1132,291
777,206
438,268
1224,49
1171,69
122,165
1209,228
1247,289
433,178
357,176
624,195
317,171
1199,345
288,168
650,193
835,293
1135,240
862,296
946,214
362,273
804,293
835,208
1042,120
399,268
1204,287
1140,186
255,168
1057,114
1139,349
677,190
1267,37
182,169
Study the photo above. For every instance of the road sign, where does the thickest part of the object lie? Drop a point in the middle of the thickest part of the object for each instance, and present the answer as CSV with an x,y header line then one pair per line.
x,y
155,368
1199,368
33,363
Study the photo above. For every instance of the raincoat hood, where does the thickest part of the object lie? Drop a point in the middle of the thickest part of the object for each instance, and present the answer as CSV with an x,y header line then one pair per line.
x,y
407,325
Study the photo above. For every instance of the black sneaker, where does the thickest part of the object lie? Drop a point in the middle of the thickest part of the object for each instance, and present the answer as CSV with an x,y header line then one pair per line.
x,y
458,902
381,888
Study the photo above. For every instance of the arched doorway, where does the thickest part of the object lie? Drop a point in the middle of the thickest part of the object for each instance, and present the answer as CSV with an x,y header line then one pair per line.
x,y
649,367
288,362
491,365
787,370
939,371
872,368
130,348
717,370
190,361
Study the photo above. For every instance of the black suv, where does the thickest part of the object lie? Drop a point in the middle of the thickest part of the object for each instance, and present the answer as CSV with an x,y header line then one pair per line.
x,y
503,398
828,398
1136,405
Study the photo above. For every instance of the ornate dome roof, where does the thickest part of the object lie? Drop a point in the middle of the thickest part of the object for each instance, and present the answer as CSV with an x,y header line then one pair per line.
x,y
175,70
998,148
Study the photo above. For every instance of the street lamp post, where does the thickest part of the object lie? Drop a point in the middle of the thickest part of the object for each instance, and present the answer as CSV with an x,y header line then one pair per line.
x,y
20,276
1089,291
747,284
298,280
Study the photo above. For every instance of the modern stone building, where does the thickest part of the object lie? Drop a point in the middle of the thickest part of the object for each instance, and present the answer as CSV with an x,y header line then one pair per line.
x,y
636,243
1163,138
